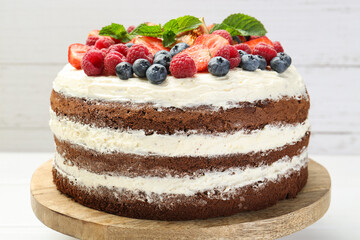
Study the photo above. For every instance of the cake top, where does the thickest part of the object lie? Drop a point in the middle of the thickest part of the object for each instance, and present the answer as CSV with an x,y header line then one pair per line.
x,y
184,47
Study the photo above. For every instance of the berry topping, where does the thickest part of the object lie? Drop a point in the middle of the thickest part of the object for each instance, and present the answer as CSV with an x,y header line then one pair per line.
x,y
104,43
139,51
111,60
120,47
278,47
129,44
285,56
162,52
91,40
75,54
249,62
241,52
252,43
231,54
124,70
244,47
201,56
93,62
152,43
266,51
182,66
219,66
212,41
279,64
130,28
262,62
156,73
178,48
140,66
225,34
163,59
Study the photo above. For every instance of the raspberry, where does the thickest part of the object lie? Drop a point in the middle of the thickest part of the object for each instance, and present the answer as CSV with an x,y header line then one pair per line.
x,y
182,66
91,40
139,51
112,59
93,62
230,53
266,51
225,34
120,47
130,28
278,47
104,43
244,47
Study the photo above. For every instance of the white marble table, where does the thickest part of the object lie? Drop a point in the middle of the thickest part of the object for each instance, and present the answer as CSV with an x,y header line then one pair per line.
x,y
17,220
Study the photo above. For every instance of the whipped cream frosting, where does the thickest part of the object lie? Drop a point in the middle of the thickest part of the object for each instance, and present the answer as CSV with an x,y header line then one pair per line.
x,y
228,180
203,89
106,140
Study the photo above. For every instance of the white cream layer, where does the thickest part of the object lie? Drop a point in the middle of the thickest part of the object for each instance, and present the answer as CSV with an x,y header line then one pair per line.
x,y
106,140
203,89
227,181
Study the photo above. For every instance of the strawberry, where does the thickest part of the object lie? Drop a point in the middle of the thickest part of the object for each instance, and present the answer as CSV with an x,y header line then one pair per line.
x,y
254,42
212,41
152,43
95,33
200,54
75,54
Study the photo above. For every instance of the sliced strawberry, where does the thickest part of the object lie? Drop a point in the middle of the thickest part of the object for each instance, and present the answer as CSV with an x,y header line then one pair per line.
x,y
254,42
212,41
95,33
75,54
152,43
200,54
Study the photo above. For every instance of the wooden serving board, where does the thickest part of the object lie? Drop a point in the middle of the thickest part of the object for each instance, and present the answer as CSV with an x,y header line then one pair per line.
x,y
63,214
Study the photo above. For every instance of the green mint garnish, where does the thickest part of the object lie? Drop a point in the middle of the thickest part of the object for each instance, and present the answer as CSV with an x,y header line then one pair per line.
x,y
116,31
145,30
241,24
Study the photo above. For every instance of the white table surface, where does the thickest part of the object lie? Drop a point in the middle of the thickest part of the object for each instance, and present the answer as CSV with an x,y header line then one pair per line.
x,y
17,220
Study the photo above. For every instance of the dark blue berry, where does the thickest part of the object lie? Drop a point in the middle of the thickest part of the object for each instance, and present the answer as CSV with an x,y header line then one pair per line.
x,y
163,60
285,56
279,64
178,48
124,70
236,39
156,73
162,52
218,66
249,62
129,44
140,66
262,62
242,53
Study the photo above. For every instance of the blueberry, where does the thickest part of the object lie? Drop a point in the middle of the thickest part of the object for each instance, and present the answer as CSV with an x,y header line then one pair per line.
x,y
164,60
249,62
242,53
140,66
162,52
262,62
178,48
129,44
156,73
285,56
124,70
218,66
236,39
279,64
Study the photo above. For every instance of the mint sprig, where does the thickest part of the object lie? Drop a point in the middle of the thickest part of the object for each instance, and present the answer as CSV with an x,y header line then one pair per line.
x,y
146,30
116,31
241,24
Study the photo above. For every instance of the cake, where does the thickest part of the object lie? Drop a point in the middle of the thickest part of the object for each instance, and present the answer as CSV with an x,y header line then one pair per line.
x,y
194,147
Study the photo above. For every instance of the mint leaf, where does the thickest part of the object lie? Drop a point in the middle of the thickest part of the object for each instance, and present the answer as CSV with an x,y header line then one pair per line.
x,y
145,30
116,31
187,23
171,25
241,24
168,38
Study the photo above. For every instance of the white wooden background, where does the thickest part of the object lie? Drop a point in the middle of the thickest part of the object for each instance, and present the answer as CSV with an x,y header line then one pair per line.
x,y
322,36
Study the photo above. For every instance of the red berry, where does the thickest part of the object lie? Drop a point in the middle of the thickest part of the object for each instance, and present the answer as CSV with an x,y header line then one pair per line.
x,y
225,34
212,41
231,54
93,62
130,28
112,59
278,47
244,47
253,37
152,43
75,53
91,40
139,51
104,43
120,47
254,42
200,54
182,66
266,51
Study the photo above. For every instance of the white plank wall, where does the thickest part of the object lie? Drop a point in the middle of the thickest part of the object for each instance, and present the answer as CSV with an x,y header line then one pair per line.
x,y
321,36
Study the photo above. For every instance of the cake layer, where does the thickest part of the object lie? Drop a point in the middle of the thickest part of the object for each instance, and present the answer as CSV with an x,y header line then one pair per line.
x,y
203,89
203,119
106,140
202,205
133,165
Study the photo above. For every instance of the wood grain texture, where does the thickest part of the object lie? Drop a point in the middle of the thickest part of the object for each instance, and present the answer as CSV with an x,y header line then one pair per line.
x,y
64,215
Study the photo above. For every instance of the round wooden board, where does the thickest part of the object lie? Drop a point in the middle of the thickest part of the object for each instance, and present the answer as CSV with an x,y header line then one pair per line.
x,y
62,214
